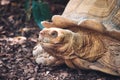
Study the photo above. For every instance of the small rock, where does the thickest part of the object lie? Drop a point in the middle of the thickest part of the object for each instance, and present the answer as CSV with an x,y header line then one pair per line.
x,y
31,79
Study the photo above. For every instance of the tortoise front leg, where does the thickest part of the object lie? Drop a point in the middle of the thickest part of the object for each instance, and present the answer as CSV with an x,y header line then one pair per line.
x,y
99,67
83,64
78,63
43,58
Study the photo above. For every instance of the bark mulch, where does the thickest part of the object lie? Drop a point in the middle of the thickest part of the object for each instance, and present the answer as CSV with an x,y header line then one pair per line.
x,y
17,39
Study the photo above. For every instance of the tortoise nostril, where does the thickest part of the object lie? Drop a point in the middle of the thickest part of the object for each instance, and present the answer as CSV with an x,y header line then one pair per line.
x,y
41,33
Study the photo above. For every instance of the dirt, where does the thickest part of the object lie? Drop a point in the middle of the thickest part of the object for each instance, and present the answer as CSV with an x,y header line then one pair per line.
x,y
17,39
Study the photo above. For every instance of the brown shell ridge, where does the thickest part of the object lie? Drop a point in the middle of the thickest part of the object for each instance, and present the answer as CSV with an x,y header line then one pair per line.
x,y
63,22
93,25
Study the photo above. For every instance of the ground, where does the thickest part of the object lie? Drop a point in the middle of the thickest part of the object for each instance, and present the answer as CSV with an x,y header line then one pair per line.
x,y
17,39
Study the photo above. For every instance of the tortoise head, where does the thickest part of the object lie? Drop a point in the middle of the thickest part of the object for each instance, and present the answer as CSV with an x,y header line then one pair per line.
x,y
55,39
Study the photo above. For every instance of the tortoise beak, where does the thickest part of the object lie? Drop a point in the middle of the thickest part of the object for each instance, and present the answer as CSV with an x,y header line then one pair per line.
x,y
42,37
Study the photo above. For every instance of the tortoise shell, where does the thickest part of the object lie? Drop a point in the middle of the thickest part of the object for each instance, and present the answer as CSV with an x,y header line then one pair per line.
x,y
98,22
99,15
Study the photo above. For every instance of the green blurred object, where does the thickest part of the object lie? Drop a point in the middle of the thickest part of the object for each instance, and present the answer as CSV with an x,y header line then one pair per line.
x,y
28,9
40,11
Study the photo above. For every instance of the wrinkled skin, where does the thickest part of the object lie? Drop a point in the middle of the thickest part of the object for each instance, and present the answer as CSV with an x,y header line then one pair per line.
x,y
82,49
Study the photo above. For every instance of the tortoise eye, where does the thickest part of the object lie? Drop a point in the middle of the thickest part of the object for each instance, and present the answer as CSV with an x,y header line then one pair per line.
x,y
54,34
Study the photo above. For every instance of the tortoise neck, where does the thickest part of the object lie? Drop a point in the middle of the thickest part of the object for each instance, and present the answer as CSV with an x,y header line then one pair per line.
x,y
88,45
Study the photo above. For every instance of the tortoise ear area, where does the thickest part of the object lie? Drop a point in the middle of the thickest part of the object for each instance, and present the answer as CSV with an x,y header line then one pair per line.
x,y
93,25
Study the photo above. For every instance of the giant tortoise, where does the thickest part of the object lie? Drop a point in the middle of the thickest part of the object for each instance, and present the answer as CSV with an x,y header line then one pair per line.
x,y
85,36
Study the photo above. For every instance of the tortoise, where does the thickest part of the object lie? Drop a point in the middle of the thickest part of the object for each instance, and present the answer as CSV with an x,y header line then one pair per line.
x,y
85,36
